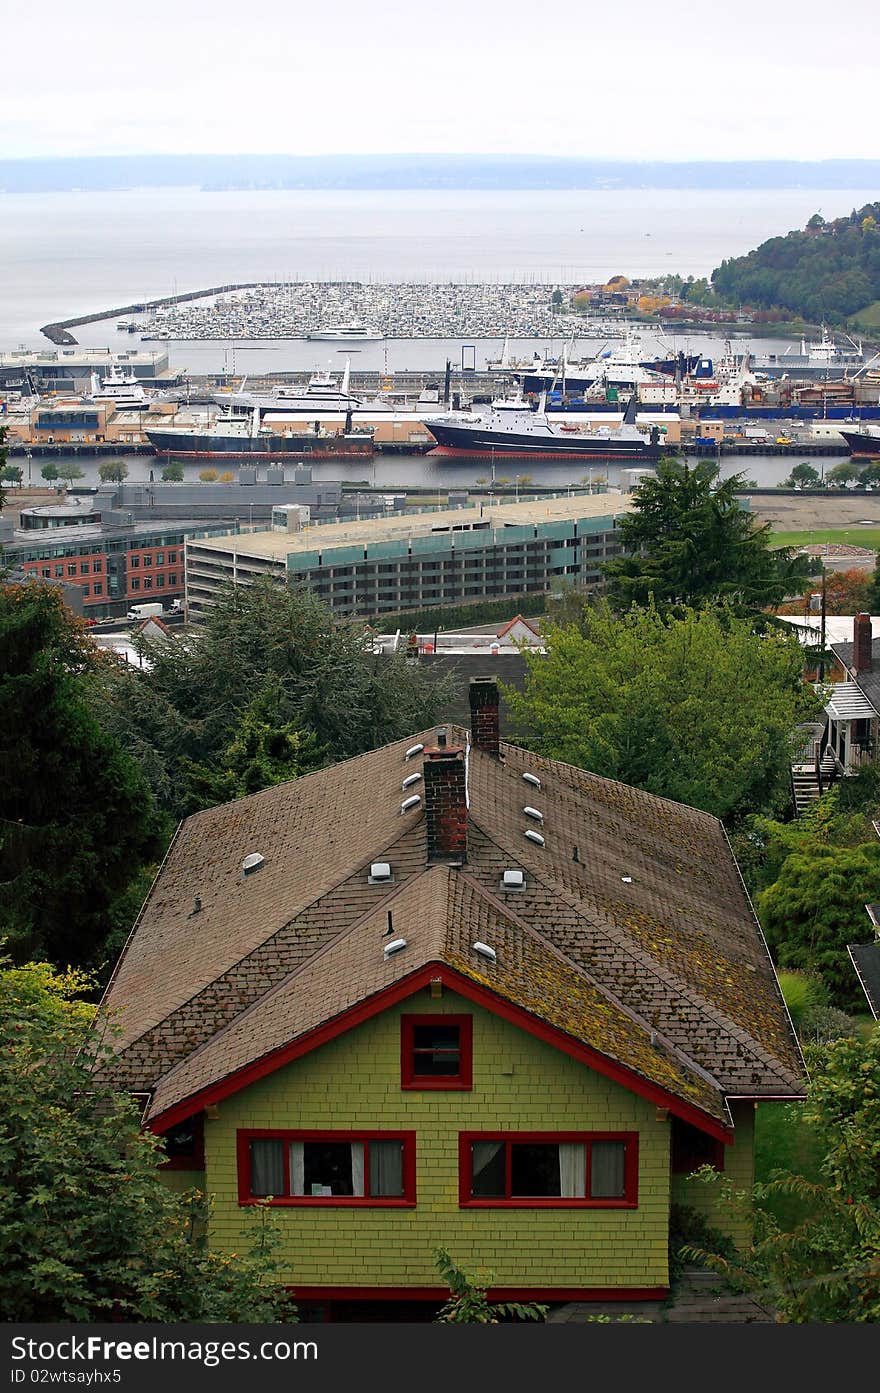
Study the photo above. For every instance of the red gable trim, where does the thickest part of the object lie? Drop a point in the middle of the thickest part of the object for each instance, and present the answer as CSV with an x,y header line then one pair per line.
x,y
482,996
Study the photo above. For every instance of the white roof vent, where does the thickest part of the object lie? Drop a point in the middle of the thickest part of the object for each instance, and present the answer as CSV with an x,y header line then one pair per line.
x,y
411,802
395,946
513,880
410,780
627,879
533,780
485,951
380,871
252,863
534,836
413,750
533,812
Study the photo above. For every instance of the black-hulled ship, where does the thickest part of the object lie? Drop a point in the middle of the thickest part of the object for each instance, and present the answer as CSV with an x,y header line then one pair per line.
x,y
513,428
864,443
234,437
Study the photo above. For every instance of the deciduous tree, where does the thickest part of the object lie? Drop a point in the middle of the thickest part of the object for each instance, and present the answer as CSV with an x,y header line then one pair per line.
x,y
697,707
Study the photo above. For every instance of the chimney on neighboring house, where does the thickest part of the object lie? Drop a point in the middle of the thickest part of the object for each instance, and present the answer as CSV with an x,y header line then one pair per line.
x,y
485,721
862,643
446,813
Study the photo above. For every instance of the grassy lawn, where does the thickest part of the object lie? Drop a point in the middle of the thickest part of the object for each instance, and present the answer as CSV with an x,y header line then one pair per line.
x,y
783,1142
851,536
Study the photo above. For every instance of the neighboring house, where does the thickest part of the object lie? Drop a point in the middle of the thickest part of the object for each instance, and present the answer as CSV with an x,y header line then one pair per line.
x,y
866,961
452,994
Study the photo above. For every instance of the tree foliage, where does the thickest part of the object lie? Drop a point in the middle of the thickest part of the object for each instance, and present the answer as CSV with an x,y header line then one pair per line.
x,y
77,822
826,1267
691,541
828,271
274,685
172,472
88,1230
113,471
696,707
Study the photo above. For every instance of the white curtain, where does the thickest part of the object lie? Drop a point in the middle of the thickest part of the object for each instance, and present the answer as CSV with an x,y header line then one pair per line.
x,y
297,1168
572,1170
386,1168
606,1170
267,1167
357,1168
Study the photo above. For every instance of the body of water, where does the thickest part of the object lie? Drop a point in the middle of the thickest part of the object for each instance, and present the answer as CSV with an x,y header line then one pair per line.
x,y
67,254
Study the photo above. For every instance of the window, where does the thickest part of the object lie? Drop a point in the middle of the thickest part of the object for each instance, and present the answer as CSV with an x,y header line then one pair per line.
x,y
172,558
97,588
134,561
436,1052
172,577
327,1168
59,572
148,560
558,1170
160,582
134,584
84,568
96,567
185,1145
71,569
160,558
692,1148
148,582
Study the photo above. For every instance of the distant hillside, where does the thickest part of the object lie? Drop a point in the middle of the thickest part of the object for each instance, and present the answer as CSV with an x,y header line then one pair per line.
x,y
216,172
830,271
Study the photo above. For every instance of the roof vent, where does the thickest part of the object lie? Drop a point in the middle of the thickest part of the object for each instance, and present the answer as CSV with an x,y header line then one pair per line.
x,y
412,802
534,836
413,750
393,947
513,880
532,779
627,879
485,951
380,872
533,812
410,780
252,863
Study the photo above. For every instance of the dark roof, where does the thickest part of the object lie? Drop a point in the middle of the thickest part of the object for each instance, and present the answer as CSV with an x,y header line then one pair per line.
x,y
866,961
645,948
869,681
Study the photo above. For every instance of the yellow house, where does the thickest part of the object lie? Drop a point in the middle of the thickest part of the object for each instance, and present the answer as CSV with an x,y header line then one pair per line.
x,y
451,994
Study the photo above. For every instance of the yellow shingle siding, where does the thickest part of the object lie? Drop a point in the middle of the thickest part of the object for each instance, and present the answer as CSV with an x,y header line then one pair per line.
x,y
520,1084
739,1169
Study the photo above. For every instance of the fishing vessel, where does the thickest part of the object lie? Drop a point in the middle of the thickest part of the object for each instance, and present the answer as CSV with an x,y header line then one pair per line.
x,y
513,428
236,436
863,443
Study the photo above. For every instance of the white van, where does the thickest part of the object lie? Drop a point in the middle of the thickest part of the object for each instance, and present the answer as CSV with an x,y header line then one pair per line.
x,y
145,611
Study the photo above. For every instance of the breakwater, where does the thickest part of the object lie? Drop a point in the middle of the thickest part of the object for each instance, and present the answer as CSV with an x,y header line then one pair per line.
x,y
59,331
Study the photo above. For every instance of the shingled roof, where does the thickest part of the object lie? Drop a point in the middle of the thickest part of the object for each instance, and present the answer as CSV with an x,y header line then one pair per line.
x,y
633,942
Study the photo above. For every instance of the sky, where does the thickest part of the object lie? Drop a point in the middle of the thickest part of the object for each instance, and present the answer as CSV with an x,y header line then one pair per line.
x,y
691,79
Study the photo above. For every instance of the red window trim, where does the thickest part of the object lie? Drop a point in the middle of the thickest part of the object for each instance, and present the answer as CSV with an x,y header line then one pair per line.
x,y
196,1162
630,1199
464,1079
246,1135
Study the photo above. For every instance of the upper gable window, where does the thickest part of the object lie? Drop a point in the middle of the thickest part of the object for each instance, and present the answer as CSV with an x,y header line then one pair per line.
x,y
185,1145
692,1148
436,1052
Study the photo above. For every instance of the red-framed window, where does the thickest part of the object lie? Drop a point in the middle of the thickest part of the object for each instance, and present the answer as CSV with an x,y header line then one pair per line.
x,y
436,1052
692,1148
324,1168
548,1170
185,1145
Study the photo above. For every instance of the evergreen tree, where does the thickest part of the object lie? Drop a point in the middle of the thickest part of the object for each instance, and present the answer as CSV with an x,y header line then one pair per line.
x,y
691,542
77,822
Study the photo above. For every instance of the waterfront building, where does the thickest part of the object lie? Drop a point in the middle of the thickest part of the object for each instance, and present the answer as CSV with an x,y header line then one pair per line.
x,y
439,557
113,560
451,991
70,369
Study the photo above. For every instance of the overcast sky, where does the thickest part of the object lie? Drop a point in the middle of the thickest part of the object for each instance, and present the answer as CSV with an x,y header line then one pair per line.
x,y
690,79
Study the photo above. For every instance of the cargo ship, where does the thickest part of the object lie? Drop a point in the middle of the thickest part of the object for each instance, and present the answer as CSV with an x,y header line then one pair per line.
x,y
236,437
514,429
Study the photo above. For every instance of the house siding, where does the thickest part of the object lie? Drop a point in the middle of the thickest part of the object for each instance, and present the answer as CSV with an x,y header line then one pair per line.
x,y
739,1169
519,1084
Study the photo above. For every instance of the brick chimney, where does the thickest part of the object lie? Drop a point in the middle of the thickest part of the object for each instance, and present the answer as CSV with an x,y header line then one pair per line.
x,y
862,643
446,803
485,722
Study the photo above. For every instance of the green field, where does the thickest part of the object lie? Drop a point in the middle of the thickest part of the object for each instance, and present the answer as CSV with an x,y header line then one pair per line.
x,y
850,536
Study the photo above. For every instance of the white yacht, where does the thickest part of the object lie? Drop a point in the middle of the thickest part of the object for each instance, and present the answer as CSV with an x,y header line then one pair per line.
x,y
346,333
121,390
